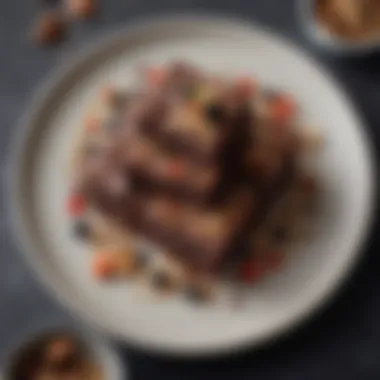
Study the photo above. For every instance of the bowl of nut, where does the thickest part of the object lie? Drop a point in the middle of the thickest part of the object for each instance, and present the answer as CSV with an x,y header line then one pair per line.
x,y
58,353
349,27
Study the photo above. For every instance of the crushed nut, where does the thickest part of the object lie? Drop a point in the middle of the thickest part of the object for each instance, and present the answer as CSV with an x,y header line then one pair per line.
x,y
49,28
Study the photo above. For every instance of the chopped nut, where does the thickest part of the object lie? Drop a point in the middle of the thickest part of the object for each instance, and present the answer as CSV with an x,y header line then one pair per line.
x,y
49,28
349,19
81,8
126,263
61,353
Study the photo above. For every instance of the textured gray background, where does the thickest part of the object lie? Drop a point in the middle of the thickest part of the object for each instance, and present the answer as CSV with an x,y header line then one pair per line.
x,y
342,342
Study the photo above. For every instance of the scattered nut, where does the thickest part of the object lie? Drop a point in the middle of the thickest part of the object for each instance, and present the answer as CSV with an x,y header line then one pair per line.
x,y
49,28
81,8
126,263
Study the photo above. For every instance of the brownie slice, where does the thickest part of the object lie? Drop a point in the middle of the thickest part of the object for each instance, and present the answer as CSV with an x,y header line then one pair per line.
x,y
152,167
198,236
189,114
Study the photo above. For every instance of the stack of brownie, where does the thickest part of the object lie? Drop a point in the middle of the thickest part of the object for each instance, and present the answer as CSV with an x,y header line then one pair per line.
x,y
180,146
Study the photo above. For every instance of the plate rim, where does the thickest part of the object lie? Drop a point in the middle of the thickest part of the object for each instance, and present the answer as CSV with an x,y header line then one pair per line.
x,y
27,247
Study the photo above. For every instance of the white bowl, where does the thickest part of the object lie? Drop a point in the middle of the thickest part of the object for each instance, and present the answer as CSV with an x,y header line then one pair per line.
x,y
100,350
38,187
317,34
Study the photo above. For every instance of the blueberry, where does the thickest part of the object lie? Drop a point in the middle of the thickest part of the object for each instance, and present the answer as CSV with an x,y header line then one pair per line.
x,y
82,229
142,258
279,234
195,294
161,280
215,112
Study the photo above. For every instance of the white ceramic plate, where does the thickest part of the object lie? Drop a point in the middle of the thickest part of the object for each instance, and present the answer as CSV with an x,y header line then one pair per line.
x,y
38,187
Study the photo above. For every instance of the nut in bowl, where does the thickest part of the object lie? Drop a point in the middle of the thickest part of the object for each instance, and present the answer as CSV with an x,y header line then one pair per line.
x,y
60,353
342,27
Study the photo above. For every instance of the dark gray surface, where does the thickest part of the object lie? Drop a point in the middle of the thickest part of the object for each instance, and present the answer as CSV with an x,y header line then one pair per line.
x,y
343,342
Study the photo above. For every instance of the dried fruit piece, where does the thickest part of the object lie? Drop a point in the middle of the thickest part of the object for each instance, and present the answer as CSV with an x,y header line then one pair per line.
x,y
49,28
76,204
282,109
103,266
251,271
81,8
